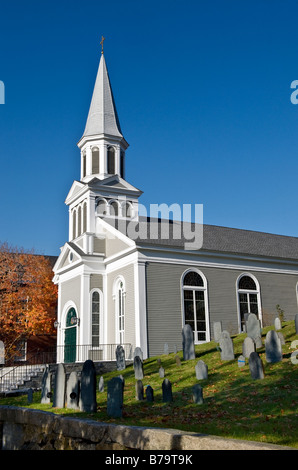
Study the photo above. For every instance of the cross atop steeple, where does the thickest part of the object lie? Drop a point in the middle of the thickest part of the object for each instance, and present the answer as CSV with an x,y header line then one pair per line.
x,y
101,43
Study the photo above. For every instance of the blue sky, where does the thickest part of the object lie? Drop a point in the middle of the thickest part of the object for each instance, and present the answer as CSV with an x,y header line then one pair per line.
x,y
202,90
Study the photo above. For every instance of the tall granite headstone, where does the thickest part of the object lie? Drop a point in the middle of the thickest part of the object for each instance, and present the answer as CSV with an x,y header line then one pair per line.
x,y
248,346
73,391
59,389
139,390
138,352
149,393
101,386
46,386
166,348
188,343
273,348
115,397
226,347
277,323
88,387
138,368
253,328
167,395
120,358
256,366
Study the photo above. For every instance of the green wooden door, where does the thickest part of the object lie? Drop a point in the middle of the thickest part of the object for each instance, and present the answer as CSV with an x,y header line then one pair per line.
x,y
70,340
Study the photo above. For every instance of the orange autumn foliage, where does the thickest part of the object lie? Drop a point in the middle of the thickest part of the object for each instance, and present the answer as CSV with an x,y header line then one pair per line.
x,y
28,297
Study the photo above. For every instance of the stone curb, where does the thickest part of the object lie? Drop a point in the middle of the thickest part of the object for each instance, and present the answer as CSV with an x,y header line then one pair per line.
x,y
93,435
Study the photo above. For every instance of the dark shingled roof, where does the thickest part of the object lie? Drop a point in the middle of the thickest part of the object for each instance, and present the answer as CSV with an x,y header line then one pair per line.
x,y
215,238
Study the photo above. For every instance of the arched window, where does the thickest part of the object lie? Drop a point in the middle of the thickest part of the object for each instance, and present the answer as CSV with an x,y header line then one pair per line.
x,y
122,164
84,165
248,293
127,212
95,312
79,230
101,208
194,293
74,224
111,160
119,297
70,336
114,209
85,217
95,160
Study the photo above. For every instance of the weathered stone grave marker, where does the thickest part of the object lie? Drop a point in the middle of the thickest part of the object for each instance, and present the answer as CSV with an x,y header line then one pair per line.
x,y
138,352
256,366
59,389
178,361
139,390
241,361
167,395
248,346
188,343
166,348
88,387
273,348
120,358
101,384
201,370
30,396
138,368
161,372
197,394
253,329
277,324
115,397
226,347
73,391
149,393
46,392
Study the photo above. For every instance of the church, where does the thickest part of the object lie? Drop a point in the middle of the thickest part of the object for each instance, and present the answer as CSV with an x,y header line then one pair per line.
x,y
125,278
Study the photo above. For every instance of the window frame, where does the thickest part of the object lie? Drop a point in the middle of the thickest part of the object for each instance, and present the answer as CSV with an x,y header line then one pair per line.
x,y
100,324
194,289
256,292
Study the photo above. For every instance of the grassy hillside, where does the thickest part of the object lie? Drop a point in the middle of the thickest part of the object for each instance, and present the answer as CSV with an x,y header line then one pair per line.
x,y
234,405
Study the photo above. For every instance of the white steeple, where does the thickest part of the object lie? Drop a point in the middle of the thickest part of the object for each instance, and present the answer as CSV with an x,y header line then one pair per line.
x,y
102,144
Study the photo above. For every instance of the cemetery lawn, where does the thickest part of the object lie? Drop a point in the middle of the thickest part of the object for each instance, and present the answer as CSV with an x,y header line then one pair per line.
x,y
235,405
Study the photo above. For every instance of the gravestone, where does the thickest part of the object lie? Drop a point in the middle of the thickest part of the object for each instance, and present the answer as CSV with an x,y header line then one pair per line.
x,y
115,397
30,396
101,384
197,394
201,370
178,361
2,353
167,391
226,347
241,361
248,346
88,387
273,347
281,337
258,342
161,372
46,392
217,330
73,391
159,361
139,390
188,343
138,352
256,366
149,393
59,389
253,327
166,348
296,323
120,358
277,324
138,368
175,349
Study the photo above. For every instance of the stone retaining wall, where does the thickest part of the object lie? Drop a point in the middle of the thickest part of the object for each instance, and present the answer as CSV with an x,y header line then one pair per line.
x,y
26,429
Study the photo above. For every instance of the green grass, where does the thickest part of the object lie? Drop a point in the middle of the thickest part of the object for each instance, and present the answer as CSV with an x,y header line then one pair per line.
x,y
235,405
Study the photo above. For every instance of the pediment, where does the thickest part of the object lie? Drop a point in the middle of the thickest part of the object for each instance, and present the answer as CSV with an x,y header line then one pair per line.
x,y
70,255
113,182
76,188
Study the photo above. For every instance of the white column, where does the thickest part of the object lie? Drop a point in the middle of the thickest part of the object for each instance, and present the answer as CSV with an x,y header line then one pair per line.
x,y
88,161
85,326
117,160
103,159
